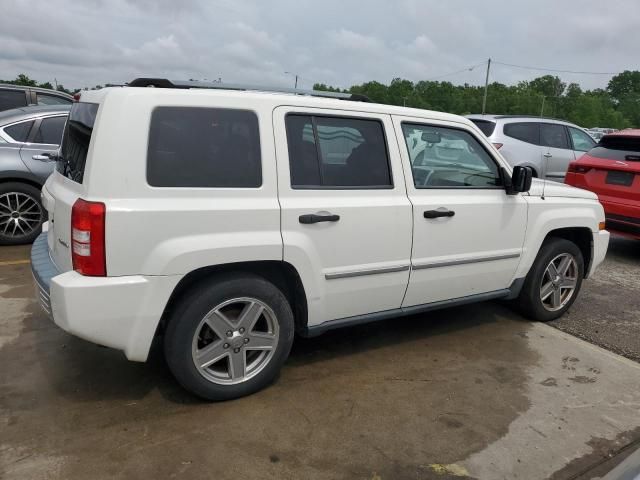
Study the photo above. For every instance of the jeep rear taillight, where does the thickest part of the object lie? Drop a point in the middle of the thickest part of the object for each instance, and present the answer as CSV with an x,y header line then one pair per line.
x,y
87,238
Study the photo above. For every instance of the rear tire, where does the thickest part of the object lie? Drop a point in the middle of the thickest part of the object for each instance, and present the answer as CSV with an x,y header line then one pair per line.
x,y
554,281
229,337
21,213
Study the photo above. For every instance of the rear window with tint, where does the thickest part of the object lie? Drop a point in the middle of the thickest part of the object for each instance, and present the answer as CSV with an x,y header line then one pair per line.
x,y
617,148
204,148
12,99
526,131
76,139
486,126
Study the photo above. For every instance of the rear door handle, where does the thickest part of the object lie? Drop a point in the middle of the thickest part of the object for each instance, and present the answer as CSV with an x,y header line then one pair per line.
x,y
316,218
547,155
439,213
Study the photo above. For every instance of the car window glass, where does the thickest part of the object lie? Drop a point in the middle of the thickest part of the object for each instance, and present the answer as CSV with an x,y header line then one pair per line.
x,y
50,130
446,157
76,140
204,147
12,99
553,135
581,141
349,152
20,131
525,131
486,126
44,99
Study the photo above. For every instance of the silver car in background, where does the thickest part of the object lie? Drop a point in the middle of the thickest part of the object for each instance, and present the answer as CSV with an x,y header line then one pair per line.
x,y
28,136
546,145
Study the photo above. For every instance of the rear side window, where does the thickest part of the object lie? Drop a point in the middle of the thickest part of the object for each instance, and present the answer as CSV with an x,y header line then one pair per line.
x,y
554,136
45,99
624,149
337,152
525,131
582,142
20,131
76,139
50,130
12,99
486,126
204,148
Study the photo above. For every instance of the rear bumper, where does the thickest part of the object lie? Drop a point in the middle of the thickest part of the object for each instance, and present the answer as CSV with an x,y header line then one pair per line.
x,y
623,218
117,312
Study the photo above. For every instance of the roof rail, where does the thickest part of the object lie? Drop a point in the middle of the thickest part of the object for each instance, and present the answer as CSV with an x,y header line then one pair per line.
x,y
165,83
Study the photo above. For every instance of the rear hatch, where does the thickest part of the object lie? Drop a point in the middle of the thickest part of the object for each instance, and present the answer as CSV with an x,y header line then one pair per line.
x,y
64,187
611,169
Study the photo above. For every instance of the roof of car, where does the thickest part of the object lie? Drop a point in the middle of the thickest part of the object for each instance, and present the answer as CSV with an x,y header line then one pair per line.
x,y
479,116
628,132
37,89
17,114
293,98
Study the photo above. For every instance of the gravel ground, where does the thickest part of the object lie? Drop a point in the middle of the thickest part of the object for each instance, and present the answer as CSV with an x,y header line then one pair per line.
x,y
607,312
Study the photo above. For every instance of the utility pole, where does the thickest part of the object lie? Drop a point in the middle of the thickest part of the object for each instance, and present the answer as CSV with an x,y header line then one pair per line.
x,y
55,80
486,88
542,108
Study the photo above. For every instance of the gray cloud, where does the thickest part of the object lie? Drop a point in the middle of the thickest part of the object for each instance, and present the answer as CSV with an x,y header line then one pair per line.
x,y
335,42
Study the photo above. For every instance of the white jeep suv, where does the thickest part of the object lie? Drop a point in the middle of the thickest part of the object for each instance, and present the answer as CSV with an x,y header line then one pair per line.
x,y
224,220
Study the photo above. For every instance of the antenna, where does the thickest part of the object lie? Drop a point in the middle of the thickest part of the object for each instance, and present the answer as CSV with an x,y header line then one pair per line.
x,y
546,156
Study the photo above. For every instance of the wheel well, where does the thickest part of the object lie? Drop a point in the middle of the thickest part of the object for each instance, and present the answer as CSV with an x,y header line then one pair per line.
x,y
581,236
282,274
21,180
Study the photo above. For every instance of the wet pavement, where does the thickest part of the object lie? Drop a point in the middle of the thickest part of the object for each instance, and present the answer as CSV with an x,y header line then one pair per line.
x,y
469,392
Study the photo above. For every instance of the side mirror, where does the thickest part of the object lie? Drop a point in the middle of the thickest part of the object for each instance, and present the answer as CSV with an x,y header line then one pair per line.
x,y
520,180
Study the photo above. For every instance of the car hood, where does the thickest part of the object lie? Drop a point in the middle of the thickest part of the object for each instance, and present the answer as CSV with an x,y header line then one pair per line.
x,y
555,189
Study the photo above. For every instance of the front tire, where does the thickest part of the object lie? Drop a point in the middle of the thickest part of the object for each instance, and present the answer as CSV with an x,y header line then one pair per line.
x,y
554,281
229,337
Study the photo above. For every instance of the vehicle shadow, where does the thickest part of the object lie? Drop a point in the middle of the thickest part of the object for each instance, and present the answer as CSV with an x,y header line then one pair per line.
x,y
624,248
84,372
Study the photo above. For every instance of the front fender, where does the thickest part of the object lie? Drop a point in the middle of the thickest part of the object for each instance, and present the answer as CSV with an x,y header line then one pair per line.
x,y
551,214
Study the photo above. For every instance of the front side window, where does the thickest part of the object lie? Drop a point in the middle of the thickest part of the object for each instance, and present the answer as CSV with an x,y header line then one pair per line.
x,y
525,131
582,142
448,158
337,152
553,135
204,148
50,130
19,131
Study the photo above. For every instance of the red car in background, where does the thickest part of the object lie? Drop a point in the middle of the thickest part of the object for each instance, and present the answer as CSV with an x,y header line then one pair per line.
x,y
611,170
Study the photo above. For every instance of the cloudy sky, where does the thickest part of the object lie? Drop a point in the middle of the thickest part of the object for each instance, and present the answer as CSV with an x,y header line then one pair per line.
x,y
89,42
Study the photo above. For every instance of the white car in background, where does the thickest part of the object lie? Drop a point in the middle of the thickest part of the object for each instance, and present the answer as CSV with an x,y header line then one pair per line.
x,y
546,145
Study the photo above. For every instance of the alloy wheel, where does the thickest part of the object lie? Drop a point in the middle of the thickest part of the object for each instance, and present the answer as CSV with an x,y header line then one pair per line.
x,y
559,282
235,341
20,214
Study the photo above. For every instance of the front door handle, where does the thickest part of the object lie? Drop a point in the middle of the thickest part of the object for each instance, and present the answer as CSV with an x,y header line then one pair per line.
x,y
317,218
439,213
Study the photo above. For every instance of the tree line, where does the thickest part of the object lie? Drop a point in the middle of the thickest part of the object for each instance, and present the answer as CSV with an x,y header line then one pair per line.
x,y
617,106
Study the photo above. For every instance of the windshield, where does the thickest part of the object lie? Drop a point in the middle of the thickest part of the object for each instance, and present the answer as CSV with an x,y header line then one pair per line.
x,y
76,139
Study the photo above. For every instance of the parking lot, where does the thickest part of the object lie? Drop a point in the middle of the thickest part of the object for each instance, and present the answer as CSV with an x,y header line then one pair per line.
x,y
474,391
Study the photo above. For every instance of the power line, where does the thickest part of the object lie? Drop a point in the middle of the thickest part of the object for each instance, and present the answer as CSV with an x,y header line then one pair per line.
x,y
465,69
553,69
